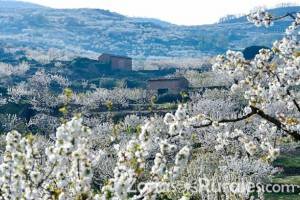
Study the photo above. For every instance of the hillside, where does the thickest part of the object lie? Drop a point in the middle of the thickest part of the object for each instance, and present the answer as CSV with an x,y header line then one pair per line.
x,y
12,4
79,30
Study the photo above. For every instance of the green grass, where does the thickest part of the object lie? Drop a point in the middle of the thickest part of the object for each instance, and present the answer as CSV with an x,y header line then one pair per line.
x,y
288,161
291,160
287,180
282,196
166,106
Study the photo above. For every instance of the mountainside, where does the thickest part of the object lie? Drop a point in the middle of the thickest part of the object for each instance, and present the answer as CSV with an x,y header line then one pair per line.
x,y
78,30
12,4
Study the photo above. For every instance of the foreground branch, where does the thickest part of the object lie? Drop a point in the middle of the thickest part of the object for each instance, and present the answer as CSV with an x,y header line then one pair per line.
x,y
294,101
253,112
277,123
291,15
262,114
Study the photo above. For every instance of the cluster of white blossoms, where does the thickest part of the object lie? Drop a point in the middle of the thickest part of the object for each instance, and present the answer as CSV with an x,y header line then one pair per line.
x,y
290,30
270,77
260,17
224,138
73,158
237,139
63,171
7,70
18,174
131,164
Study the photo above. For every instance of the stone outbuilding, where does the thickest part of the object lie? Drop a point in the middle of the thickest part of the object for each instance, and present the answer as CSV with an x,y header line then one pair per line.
x,y
116,62
173,85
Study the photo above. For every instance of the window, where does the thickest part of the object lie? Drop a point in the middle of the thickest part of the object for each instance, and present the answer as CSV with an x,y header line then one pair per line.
x,y
162,91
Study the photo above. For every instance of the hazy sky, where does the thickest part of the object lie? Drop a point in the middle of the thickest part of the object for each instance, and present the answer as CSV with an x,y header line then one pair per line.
x,y
187,12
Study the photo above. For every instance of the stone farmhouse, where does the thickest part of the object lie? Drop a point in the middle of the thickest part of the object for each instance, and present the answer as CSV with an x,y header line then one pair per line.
x,y
116,62
173,85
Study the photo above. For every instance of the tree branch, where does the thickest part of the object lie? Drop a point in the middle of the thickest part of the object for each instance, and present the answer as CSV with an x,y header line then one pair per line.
x,y
253,112
277,123
262,114
294,101
291,15
288,92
